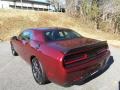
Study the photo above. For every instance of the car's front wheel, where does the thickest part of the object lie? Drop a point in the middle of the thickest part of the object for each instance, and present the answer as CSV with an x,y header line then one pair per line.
x,y
38,72
14,53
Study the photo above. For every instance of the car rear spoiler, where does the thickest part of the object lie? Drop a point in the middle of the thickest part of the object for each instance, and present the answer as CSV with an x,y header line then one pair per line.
x,y
87,47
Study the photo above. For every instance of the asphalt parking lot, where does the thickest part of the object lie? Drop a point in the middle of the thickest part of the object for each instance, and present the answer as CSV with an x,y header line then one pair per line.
x,y
16,74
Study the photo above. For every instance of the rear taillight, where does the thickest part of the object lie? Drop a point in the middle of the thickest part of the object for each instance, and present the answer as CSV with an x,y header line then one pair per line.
x,y
75,58
83,57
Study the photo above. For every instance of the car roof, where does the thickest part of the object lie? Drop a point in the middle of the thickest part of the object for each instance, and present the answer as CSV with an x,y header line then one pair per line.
x,y
48,28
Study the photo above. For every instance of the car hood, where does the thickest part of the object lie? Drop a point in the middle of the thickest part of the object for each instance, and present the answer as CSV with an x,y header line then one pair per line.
x,y
66,45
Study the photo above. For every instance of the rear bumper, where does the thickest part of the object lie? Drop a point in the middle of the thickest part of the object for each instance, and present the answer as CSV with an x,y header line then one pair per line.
x,y
83,71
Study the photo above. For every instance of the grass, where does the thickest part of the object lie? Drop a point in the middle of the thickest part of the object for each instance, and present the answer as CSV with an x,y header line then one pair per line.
x,y
12,22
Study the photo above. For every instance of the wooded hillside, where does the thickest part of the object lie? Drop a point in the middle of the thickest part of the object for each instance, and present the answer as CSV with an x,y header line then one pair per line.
x,y
105,14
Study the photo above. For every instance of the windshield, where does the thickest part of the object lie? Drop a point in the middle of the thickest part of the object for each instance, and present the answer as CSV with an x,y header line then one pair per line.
x,y
55,35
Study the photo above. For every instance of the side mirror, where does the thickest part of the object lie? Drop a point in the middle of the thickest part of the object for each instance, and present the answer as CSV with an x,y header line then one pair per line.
x,y
37,46
14,37
25,42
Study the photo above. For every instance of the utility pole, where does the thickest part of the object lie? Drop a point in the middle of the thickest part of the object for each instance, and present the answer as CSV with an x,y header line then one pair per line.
x,y
21,4
15,4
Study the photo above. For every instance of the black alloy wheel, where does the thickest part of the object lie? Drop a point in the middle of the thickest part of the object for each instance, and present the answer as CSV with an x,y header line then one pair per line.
x,y
38,72
14,53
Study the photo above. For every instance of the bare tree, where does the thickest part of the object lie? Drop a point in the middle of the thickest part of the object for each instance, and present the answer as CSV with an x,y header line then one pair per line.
x,y
55,4
102,12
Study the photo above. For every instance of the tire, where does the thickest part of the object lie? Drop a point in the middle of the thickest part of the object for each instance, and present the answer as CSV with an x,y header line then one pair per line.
x,y
38,72
14,53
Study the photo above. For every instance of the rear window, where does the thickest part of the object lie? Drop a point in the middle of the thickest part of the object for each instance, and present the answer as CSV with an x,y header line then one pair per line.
x,y
55,35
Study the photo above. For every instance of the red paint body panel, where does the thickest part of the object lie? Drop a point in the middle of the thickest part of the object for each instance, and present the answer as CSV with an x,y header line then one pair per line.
x,y
52,56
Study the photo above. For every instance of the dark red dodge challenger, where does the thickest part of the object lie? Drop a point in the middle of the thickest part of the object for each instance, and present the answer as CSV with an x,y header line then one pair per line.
x,y
60,55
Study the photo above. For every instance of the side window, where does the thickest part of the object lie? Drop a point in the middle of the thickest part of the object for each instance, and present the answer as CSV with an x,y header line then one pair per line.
x,y
61,34
58,35
26,35
48,35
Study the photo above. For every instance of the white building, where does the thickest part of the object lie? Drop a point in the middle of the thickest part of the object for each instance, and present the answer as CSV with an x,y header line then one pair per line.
x,y
24,4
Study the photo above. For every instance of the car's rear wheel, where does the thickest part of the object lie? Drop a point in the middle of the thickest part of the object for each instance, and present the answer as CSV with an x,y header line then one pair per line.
x,y
14,53
38,72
